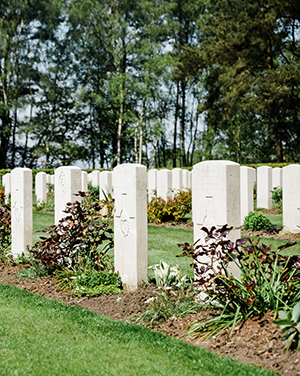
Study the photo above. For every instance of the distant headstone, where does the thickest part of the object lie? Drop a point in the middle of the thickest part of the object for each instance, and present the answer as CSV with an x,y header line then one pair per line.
x,y
177,180
186,179
276,177
130,224
164,184
67,183
291,198
216,199
246,176
21,210
264,187
41,188
84,181
152,183
105,184
95,175
6,182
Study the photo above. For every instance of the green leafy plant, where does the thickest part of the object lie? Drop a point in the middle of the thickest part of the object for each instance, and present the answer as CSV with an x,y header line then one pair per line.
x,y
277,197
5,231
169,303
89,282
160,210
50,190
269,280
78,240
167,276
93,192
256,221
289,322
107,205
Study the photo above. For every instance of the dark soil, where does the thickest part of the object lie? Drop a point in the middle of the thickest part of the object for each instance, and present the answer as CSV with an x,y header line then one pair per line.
x,y
257,341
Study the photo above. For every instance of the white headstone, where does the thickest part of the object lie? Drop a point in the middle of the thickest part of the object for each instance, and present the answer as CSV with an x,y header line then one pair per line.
x,y
186,180
67,183
164,184
177,180
152,183
89,178
40,188
52,179
216,199
191,179
84,181
105,184
276,177
246,176
130,224
6,182
95,175
21,210
264,187
291,198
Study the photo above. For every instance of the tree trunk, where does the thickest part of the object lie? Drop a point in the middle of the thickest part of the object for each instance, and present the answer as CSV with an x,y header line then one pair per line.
x,y
175,126
182,124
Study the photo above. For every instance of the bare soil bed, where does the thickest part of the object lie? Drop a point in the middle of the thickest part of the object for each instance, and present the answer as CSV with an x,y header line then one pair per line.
x,y
257,341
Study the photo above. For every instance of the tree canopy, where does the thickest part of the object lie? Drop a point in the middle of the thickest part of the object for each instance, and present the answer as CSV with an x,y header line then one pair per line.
x,y
163,83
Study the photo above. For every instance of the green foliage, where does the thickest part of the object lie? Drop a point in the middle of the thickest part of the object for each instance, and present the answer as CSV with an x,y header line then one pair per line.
x,y
167,276
89,282
169,303
93,192
78,240
256,221
277,197
269,280
5,231
107,205
175,209
289,322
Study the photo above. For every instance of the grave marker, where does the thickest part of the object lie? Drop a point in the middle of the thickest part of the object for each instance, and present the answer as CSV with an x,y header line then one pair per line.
x,y
164,184
216,199
21,210
246,175
130,224
105,184
291,198
152,183
41,188
264,187
67,183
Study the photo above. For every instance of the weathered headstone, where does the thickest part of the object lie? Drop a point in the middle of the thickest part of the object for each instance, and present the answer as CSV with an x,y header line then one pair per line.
x,y
276,177
164,184
216,199
246,175
67,183
84,181
130,224
41,188
105,184
21,210
264,187
291,198
152,183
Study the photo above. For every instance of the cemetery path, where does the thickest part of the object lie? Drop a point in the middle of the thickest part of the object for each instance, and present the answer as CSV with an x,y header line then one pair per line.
x,y
258,341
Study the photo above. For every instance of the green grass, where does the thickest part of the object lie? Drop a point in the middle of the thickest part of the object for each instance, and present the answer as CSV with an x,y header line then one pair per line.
x,y
39,336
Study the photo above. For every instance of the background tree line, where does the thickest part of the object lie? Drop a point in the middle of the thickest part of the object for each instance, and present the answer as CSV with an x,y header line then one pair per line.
x,y
163,83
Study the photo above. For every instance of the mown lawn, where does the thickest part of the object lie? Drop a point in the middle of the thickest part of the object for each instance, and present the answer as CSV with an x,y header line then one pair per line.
x,y
39,336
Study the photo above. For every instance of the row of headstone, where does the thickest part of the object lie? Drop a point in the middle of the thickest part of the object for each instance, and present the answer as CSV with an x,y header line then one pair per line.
x,y
216,196
166,183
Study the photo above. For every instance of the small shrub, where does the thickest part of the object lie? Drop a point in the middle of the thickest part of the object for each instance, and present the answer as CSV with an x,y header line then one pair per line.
x,y
167,276
79,240
277,197
175,209
107,206
256,221
289,322
89,282
93,192
169,303
269,280
5,231
50,190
